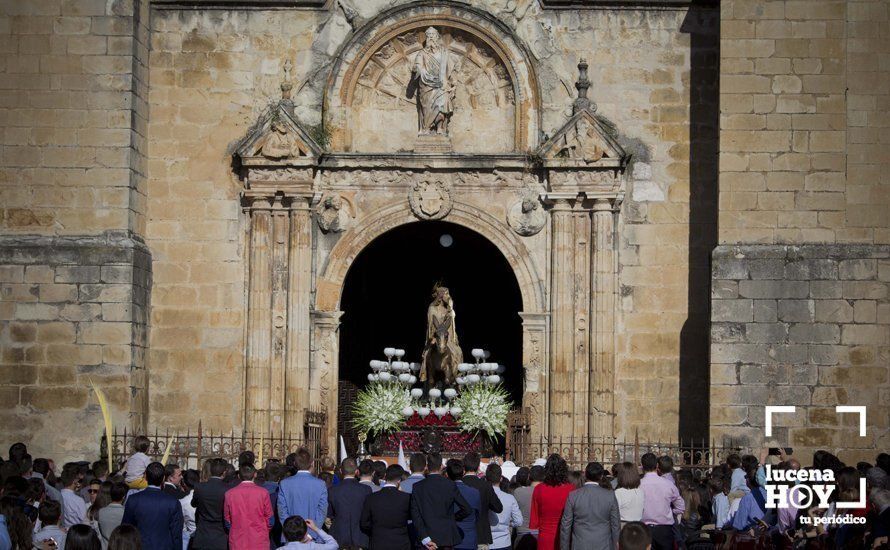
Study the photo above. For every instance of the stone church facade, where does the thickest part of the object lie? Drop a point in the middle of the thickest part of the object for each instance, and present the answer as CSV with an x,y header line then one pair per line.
x,y
691,196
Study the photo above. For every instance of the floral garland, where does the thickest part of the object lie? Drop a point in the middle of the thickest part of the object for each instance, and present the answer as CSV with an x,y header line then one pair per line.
x,y
453,441
378,407
484,409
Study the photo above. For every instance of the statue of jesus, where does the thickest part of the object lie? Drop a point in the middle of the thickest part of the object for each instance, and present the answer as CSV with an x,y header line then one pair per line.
x,y
441,352
432,79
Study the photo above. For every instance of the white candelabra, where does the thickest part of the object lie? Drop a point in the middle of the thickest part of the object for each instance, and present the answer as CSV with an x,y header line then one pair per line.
x,y
394,371
438,401
481,371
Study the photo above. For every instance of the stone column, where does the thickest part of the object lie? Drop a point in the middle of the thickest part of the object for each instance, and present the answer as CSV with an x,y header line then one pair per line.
x,y
298,322
277,369
534,362
603,301
325,350
570,306
259,317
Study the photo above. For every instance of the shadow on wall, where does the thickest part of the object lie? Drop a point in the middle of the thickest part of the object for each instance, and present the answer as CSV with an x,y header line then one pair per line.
x,y
702,24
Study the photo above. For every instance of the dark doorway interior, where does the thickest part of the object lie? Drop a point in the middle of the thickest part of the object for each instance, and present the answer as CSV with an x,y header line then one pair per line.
x,y
388,289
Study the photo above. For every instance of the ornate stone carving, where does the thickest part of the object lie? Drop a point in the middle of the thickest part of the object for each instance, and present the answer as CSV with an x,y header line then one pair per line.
x,y
479,78
280,174
601,180
582,142
527,217
430,199
409,90
279,143
432,83
278,136
333,214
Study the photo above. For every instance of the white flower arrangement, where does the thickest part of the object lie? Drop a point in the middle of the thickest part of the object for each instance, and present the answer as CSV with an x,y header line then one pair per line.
x,y
483,408
378,407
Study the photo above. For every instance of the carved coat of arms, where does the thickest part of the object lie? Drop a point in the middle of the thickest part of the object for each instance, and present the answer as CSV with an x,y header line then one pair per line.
x,y
430,200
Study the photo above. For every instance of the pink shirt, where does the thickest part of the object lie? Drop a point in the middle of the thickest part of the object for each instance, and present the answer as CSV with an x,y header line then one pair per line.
x,y
661,500
248,510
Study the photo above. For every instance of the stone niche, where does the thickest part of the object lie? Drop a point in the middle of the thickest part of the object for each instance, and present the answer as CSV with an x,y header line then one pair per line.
x,y
383,113
313,208
371,103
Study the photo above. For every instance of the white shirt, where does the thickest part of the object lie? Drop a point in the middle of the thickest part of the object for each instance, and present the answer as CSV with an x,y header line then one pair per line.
x,y
324,542
188,513
74,509
136,466
630,504
510,516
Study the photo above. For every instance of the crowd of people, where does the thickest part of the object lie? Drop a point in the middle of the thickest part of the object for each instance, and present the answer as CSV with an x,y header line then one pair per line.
x,y
433,504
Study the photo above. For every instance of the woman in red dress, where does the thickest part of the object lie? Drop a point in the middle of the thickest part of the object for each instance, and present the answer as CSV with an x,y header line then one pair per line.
x,y
548,501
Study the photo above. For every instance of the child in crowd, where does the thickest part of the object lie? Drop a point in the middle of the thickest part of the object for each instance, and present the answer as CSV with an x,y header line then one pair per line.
x,y
137,463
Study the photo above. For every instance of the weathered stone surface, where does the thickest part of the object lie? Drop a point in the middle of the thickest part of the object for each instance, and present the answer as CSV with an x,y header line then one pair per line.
x,y
765,311
64,333
824,343
796,310
774,289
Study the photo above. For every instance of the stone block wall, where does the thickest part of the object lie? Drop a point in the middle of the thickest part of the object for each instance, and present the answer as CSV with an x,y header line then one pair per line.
x,y
808,326
72,150
804,162
210,75
74,272
72,311
803,98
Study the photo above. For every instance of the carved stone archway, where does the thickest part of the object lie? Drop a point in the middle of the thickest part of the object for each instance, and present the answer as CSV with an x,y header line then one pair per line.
x,y
329,284
553,214
329,289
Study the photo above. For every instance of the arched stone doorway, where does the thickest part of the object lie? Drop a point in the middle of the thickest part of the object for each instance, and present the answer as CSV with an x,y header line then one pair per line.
x,y
551,208
386,293
495,237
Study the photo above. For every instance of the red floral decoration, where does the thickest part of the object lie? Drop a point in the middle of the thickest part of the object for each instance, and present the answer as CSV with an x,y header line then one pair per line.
x,y
417,421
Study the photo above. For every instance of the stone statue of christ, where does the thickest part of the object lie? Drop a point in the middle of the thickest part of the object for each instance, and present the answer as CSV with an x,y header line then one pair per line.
x,y
441,352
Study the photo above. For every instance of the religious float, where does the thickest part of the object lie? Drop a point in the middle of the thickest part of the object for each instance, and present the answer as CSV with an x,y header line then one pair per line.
x,y
460,407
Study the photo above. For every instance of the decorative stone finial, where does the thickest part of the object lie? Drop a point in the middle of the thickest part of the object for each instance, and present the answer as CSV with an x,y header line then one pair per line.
x,y
583,83
286,84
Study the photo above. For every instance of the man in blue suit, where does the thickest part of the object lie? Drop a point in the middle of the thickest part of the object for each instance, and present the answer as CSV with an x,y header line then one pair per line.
x,y
303,494
157,515
468,525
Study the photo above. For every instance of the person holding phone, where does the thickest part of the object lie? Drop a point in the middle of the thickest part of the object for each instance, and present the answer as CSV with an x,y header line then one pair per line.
x,y
50,514
296,533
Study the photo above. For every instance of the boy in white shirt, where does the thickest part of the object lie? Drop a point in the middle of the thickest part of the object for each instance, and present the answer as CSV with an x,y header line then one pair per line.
x,y
137,463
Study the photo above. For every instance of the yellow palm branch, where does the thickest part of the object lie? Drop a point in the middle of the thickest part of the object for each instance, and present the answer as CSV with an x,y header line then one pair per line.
x,y
106,415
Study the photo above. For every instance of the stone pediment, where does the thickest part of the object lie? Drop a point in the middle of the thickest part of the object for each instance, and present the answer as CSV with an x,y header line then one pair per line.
x,y
278,139
583,142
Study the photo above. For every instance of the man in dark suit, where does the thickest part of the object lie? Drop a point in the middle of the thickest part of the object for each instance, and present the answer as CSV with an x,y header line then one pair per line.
x,y
386,513
173,480
490,501
208,498
590,520
432,508
156,515
345,501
